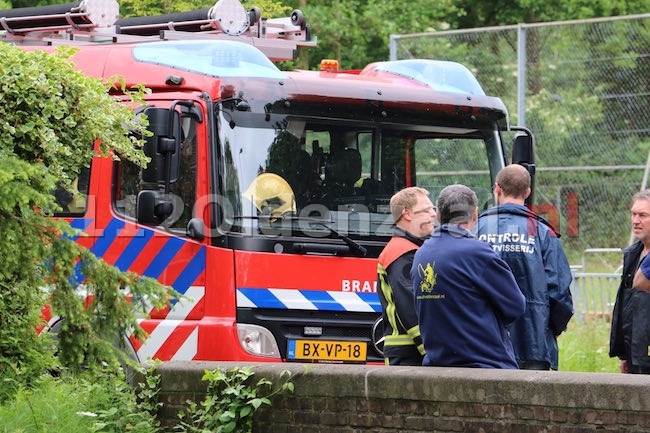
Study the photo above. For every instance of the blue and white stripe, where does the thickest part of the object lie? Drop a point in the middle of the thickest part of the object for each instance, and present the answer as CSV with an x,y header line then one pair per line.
x,y
296,299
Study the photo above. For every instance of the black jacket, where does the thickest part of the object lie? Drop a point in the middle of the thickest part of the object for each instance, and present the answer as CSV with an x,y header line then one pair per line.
x,y
630,334
401,331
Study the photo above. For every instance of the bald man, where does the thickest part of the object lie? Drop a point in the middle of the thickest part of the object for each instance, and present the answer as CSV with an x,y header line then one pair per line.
x,y
532,249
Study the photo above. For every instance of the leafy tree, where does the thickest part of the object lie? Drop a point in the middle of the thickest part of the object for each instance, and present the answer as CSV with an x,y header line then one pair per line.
x,y
49,118
28,3
477,13
134,8
356,32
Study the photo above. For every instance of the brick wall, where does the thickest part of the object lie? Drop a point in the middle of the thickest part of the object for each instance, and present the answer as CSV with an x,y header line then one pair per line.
x,y
355,399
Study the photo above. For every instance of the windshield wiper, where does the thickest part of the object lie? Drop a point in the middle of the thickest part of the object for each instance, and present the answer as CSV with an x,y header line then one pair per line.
x,y
352,247
355,248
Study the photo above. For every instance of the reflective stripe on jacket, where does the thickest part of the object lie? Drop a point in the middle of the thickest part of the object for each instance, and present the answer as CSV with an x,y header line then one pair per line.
x,y
401,330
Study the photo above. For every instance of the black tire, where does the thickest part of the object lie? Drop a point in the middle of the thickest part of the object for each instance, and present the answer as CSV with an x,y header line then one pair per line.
x,y
123,343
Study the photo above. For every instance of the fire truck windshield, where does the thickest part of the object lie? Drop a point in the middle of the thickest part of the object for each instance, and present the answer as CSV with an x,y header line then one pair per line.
x,y
285,172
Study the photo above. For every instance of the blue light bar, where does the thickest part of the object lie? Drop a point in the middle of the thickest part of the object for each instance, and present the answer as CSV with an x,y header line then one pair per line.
x,y
440,75
210,57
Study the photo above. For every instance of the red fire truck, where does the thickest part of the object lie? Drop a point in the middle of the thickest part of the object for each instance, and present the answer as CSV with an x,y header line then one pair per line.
x,y
266,199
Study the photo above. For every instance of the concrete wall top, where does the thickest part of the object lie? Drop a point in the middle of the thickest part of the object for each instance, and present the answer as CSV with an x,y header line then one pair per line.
x,y
599,391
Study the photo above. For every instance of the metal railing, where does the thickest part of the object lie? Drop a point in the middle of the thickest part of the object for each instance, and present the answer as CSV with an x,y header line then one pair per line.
x,y
594,293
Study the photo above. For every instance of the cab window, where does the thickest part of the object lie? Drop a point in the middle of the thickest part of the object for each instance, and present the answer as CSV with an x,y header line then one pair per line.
x,y
73,202
183,192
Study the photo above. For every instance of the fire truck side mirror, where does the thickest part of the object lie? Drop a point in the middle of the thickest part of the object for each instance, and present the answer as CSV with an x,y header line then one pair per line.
x,y
153,207
195,229
523,148
523,152
163,147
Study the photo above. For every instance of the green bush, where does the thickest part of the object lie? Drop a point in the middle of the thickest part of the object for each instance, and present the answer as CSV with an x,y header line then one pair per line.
x,y
82,403
231,401
107,403
50,116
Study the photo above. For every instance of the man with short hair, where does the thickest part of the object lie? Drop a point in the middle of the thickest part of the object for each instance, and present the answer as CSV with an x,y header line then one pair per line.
x,y
630,339
414,216
465,295
532,249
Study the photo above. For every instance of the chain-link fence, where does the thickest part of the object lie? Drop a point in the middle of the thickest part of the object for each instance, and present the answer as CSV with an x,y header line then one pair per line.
x,y
583,88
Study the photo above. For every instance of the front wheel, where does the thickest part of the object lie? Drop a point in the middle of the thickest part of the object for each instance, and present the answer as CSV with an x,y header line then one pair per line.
x,y
122,343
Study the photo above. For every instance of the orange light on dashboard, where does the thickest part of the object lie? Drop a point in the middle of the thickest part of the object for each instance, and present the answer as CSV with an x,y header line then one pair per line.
x,y
329,65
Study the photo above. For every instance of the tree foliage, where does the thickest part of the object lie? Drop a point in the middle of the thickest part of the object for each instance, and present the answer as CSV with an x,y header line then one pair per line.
x,y
135,8
49,119
477,13
356,32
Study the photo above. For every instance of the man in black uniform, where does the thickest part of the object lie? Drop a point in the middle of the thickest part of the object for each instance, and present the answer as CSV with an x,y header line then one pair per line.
x,y
414,216
630,340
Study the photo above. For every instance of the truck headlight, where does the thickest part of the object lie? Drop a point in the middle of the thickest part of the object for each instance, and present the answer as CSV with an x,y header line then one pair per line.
x,y
257,340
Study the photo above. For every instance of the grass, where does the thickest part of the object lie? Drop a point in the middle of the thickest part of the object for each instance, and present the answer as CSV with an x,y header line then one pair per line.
x,y
63,405
584,347
48,408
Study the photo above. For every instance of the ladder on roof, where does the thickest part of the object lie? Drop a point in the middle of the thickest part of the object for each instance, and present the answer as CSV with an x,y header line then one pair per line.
x,y
93,21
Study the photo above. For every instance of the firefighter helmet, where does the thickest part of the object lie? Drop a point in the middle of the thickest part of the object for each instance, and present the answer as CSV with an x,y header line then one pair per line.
x,y
271,194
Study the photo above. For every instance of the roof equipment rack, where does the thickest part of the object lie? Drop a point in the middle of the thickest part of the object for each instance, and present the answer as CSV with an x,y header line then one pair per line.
x,y
93,21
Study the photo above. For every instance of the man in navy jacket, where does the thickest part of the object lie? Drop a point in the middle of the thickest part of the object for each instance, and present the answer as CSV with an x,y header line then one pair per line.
x,y
465,295
532,249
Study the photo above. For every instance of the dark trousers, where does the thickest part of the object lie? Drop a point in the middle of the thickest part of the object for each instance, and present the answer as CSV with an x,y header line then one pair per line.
x,y
404,360
534,365
635,369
